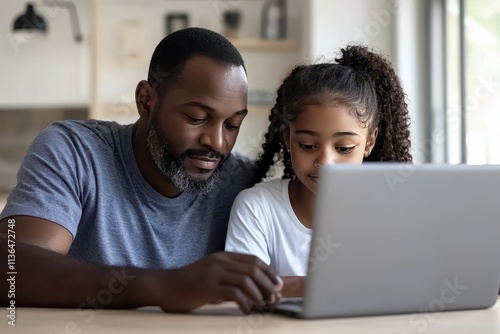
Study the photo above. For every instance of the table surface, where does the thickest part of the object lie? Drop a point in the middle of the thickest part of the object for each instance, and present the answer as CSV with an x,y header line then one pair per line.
x,y
226,318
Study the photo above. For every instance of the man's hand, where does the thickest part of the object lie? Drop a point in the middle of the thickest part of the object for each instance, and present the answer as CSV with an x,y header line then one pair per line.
x,y
220,277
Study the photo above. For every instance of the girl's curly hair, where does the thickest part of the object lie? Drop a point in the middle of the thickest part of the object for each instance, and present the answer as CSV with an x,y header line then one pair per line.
x,y
361,80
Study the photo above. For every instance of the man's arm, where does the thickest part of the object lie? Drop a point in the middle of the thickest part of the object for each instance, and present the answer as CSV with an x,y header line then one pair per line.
x,y
39,232
47,278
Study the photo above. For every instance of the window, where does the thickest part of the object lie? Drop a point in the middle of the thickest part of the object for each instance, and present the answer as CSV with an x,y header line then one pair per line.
x,y
473,81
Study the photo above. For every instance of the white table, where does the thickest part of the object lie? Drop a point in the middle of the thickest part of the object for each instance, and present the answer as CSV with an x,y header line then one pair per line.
x,y
226,319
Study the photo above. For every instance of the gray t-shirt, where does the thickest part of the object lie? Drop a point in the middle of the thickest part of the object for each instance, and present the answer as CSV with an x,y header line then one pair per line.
x,y
83,176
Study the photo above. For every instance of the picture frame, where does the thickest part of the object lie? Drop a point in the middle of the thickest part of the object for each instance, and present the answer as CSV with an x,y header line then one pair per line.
x,y
176,21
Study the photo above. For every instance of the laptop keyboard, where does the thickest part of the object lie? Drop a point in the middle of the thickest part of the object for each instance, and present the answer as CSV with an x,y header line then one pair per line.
x,y
292,301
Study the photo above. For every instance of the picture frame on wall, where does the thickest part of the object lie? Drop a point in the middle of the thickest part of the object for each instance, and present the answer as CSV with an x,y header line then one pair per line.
x,y
176,21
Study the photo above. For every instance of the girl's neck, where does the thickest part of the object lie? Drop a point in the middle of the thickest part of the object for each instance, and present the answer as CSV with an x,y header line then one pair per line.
x,y
302,201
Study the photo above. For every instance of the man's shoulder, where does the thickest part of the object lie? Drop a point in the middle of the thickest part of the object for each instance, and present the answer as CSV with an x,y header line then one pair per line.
x,y
242,160
75,133
83,128
240,169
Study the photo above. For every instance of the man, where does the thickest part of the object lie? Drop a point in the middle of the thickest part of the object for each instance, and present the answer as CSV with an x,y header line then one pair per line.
x,y
105,207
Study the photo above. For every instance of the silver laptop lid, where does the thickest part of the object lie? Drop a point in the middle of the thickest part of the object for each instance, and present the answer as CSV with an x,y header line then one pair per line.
x,y
398,238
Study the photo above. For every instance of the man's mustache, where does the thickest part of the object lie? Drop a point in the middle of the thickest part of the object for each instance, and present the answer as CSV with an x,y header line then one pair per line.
x,y
211,154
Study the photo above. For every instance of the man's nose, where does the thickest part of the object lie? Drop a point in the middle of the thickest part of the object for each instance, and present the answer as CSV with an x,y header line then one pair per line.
x,y
213,137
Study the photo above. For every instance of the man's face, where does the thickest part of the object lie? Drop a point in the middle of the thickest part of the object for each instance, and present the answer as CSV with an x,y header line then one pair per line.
x,y
194,126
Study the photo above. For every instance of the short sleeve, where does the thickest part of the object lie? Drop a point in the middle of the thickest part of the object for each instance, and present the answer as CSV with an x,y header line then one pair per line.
x,y
49,180
246,231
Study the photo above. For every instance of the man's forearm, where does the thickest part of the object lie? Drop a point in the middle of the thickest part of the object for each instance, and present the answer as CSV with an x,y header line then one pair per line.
x,y
46,279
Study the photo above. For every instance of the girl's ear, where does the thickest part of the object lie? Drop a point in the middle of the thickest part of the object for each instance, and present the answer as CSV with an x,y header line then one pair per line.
x,y
145,98
285,132
370,142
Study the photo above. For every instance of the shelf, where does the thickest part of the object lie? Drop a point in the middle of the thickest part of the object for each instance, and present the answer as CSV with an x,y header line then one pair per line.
x,y
263,109
43,106
259,44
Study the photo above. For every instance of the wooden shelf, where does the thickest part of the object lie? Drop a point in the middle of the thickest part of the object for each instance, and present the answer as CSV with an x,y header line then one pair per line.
x,y
263,109
259,44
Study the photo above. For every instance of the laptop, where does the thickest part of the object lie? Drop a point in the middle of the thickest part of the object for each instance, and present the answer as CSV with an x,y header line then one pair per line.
x,y
401,238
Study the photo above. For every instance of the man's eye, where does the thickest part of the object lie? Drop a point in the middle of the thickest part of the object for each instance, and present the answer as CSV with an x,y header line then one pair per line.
x,y
345,150
232,127
307,147
195,121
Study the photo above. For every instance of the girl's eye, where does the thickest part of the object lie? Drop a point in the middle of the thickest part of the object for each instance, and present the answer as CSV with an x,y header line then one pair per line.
x,y
307,147
345,150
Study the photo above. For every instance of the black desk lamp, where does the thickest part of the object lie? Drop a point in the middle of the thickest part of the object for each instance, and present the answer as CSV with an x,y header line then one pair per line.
x,y
30,21
33,22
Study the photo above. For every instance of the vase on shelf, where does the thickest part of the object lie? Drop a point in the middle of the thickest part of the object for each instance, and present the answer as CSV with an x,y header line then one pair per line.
x,y
231,22
273,21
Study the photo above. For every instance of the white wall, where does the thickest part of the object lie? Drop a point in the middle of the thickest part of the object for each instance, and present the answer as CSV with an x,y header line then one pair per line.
x,y
45,70
412,65
118,77
392,27
334,24
54,70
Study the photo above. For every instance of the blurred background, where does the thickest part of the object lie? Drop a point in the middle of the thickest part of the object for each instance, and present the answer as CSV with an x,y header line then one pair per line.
x,y
82,59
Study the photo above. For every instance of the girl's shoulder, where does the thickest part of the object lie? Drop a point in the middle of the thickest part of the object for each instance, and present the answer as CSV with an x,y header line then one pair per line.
x,y
271,186
265,191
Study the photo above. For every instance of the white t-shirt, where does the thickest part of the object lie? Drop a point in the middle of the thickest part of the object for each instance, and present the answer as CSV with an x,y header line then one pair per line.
x,y
262,223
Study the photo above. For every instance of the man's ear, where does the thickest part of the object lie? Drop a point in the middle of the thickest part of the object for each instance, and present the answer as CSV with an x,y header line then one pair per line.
x,y
146,98
370,143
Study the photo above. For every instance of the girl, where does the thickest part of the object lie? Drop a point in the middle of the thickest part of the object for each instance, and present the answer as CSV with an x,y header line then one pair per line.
x,y
351,111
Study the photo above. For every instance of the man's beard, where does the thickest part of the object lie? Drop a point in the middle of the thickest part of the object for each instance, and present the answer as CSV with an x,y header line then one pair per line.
x,y
172,166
